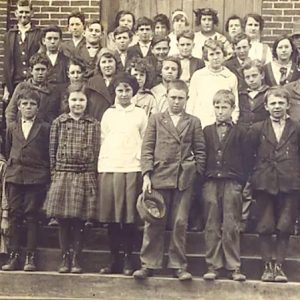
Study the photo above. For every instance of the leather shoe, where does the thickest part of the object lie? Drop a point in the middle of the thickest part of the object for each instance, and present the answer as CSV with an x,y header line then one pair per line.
x,y
142,273
30,262
13,262
182,275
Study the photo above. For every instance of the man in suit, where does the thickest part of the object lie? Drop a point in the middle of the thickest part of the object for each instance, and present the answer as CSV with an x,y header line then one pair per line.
x,y
173,151
274,146
27,174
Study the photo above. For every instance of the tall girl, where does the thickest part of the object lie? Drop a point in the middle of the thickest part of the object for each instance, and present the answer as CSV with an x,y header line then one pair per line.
x,y
122,129
74,148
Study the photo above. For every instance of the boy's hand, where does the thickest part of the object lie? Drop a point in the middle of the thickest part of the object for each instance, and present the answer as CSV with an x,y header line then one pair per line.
x,y
147,184
4,226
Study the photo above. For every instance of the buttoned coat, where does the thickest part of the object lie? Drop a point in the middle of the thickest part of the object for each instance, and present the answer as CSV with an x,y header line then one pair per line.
x,y
172,155
235,67
275,165
28,159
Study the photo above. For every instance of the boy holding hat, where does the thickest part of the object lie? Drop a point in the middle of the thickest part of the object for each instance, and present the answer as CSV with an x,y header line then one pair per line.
x,y
173,152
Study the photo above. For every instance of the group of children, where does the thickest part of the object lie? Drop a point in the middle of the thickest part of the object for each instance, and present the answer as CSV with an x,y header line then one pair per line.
x,y
152,108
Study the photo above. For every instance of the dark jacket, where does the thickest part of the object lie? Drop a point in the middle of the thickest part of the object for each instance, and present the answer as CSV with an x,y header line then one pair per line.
x,y
275,165
136,51
129,57
172,155
28,160
226,159
235,67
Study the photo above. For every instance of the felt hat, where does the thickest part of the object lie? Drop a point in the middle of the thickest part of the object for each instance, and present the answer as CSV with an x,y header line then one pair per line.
x,y
151,207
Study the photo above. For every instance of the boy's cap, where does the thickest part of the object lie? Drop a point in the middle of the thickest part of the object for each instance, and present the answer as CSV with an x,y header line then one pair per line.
x,y
104,51
296,28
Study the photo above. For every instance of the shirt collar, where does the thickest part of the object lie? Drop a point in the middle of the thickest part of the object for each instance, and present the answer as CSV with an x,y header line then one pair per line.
x,y
128,108
28,121
227,123
280,121
25,28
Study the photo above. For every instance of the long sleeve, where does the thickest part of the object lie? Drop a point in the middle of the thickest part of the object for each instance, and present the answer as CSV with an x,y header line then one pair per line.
x,y
199,147
53,144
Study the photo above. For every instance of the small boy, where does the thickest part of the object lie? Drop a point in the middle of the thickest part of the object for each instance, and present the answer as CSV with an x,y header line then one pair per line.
x,y
189,63
171,171
20,43
161,24
49,96
27,174
144,31
225,176
241,47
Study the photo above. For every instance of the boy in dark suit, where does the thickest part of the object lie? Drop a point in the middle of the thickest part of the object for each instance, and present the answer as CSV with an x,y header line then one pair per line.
x,y
274,146
173,152
225,176
27,174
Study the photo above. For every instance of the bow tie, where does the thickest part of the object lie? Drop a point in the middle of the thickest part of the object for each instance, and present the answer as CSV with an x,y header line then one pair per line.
x,y
224,123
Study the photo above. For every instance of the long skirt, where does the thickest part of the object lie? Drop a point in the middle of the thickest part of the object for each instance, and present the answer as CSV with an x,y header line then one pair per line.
x,y
118,194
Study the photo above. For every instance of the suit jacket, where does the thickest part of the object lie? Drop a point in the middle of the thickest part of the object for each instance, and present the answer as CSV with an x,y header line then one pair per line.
x,y
28,160
136,51
275,165
196,64
120,67
235,67
33,37
294,90
172,155
69,48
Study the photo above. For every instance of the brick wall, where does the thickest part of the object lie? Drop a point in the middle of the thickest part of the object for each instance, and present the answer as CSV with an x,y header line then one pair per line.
x,y
3,24
279,17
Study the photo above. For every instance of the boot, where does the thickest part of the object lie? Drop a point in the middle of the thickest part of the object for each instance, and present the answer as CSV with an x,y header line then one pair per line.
x,y
128,265
279,275
75,266
114,267
65,264
268,275
13,262
30,265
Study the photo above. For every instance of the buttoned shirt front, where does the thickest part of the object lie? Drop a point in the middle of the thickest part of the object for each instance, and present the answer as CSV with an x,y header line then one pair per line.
x,y
278,126
26,127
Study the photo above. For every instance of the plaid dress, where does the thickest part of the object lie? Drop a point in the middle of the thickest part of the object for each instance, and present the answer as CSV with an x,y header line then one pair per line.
x,y
74,149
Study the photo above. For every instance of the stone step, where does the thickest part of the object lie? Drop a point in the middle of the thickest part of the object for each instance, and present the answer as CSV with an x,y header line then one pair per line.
x,y
53,286
92,261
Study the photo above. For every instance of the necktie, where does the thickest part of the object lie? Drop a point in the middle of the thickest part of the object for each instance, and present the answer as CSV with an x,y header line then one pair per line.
x,y
283,72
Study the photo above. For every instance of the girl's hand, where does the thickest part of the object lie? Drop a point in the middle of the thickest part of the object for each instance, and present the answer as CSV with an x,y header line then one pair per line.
x,y
147,184
4,226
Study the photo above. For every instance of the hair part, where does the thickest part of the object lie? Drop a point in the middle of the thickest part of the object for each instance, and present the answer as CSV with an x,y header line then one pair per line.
x,y
281,38
52,28
225,96
258,18
121,30
252,63
188,34
121,14
239,37
277,91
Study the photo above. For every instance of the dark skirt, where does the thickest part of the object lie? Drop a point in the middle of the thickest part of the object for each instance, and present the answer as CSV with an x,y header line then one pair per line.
x,y
118,194
72,195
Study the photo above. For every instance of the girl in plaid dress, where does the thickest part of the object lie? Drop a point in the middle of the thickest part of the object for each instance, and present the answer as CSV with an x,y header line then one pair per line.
x,y
122,129
74,149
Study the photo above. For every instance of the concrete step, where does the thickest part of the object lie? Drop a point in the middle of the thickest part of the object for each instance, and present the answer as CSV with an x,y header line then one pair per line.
x,y
53,286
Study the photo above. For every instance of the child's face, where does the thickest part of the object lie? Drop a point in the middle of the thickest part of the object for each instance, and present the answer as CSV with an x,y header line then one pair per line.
x,y
176,100
77,103
28,108
160,29
207,24
234,27
39,73
215,58
52,41
124,94
169,71
161,50
140,77
242,49
126,21
107,66
75,73
284,50
252,28
179,24
144,33
122,41
253,78
23,14
223,111
185,47
277,106
76,27
93,33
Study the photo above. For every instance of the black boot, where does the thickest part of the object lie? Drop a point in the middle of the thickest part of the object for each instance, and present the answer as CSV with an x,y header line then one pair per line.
x,y
13,262
115,266
75,265
30,265
65,264
128,265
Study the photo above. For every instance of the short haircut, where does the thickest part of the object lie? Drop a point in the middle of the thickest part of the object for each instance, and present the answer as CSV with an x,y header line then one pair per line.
x,y
178,84
162,19
252,63
93,21
121,14
188,34
77,62
123,29
258,18
25,3
176,60
224,96
281,38
157,38
213,45
206,12
233,17
52,28
144,21
124,77
104,52
39,58
77,14
239,37
27,93
277,91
